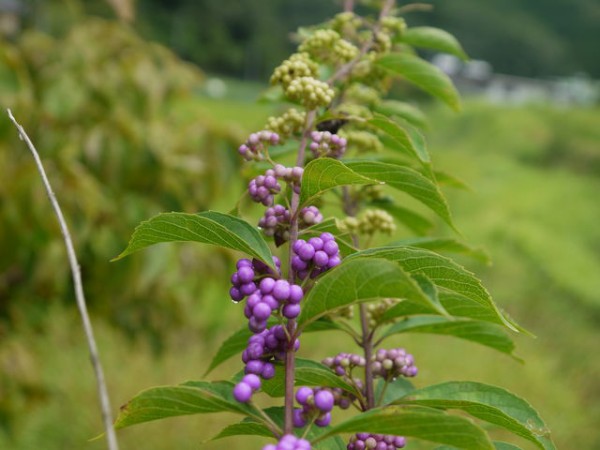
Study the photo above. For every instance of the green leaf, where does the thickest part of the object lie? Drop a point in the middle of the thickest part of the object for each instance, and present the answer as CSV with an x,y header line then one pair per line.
x,y
406,180
232,346
407,308
415,222
190,398
445,273
323,174
448,245
359,280
404,140
422,74
406,111
434,38
395,389
207,227
307,373
244,428
446,179
489,403
480,332
497,445
418,423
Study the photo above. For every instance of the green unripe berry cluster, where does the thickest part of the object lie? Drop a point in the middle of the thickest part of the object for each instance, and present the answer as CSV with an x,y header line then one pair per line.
x,y
345,23
289,123
371,222
375,311
310,92
362,141
328,46
297,66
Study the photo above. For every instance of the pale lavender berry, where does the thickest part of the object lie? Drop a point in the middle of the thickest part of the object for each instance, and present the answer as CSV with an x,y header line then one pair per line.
x,y
324,401
242,392
303,394
252,380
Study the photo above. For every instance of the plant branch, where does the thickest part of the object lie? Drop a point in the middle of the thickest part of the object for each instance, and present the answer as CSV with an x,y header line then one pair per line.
x,y
79,295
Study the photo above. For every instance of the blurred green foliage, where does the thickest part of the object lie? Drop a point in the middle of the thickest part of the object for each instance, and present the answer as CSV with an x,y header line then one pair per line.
x,y
118,125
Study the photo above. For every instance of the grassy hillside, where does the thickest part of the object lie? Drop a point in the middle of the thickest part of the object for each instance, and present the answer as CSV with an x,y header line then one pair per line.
x,y
534,178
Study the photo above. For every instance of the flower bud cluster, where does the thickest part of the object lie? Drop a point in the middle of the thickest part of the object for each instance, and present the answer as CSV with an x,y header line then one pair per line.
x,y
289,123
315,256
370,441
316,406
345,23
328,46
297,66
310,92
325,143
343,363
363,141
371,222
289,442
375,311
392,363
255,148
393,26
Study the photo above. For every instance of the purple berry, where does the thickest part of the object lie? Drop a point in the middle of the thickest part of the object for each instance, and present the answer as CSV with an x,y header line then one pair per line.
x,y
268,371
323,420
303,394
255,366
281,290
321,258
262,311
242,392
316,243
296,294
252,380
298,418
291,311
324,400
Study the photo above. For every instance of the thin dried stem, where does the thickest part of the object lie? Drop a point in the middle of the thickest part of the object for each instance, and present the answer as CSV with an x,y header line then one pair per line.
x,y
79,295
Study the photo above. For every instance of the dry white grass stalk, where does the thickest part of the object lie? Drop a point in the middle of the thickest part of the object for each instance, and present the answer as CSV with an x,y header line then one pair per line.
x,y
79,295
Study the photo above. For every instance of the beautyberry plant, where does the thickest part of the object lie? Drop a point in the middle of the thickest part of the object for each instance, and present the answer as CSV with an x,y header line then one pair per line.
x,y
327,196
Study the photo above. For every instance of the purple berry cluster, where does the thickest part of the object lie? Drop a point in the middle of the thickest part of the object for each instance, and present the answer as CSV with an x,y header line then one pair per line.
x,y
369,441
289,442
316,406
343,363
263,188
390,364
256,146
325,143
245,280
315,256
276,221
291,175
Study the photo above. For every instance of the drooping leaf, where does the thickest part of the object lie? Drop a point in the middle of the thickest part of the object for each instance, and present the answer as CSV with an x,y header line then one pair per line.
x,y
422,74
406,111
323,174
482,333
307,373
489,403
428,425
189,398
407,142
445,273
356,281
244,428
406,180
412,220
446,179
446,245
207,227
435,39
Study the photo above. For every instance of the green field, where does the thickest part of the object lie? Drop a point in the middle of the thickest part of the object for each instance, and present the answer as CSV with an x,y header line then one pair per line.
x,y
533,205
